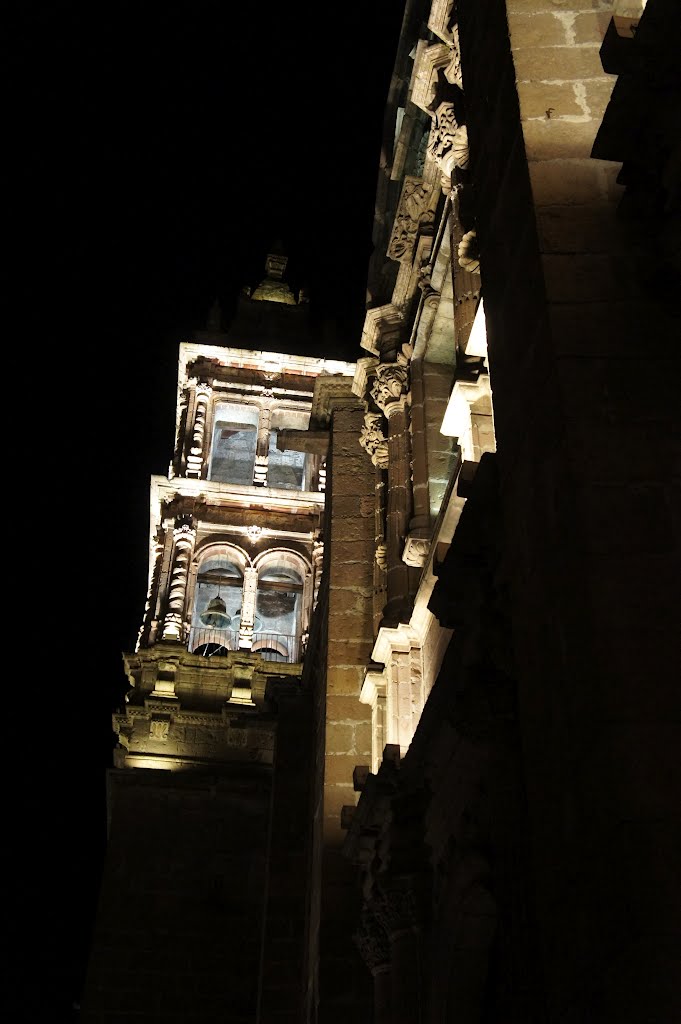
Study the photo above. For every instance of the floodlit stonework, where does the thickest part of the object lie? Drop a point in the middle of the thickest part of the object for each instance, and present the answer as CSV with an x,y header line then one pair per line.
x,y
401,741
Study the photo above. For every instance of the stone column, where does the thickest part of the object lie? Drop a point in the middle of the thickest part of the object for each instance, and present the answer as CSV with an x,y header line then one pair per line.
x,y
390,392
375,444
263,447
248,608
196,456
184,535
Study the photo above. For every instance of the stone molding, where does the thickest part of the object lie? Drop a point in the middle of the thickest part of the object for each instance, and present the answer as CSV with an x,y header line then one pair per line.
x,y
382,328
440,19
429,61
329,393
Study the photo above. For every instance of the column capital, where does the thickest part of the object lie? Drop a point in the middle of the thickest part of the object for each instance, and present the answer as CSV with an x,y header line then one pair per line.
x,y
391,386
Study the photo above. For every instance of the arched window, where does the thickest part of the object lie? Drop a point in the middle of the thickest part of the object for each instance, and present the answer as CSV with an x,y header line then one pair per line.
x,y
235,436
276,632
217,604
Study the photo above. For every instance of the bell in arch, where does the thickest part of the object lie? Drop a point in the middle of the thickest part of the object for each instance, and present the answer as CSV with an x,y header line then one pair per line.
x,y
215,614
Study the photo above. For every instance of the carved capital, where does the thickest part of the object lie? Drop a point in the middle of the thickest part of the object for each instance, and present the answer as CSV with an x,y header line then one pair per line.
x,y
391,384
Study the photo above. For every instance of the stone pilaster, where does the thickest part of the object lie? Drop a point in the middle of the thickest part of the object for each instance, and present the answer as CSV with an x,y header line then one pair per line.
x,y
184,535
263,447
390,392
373,693
196,457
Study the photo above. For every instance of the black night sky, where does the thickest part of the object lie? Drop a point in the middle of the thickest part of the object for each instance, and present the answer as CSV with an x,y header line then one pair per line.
x,y
160,149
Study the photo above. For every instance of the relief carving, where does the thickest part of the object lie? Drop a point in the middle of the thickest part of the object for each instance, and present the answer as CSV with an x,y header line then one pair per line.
x,y
448,142
411,218
415,551
373,440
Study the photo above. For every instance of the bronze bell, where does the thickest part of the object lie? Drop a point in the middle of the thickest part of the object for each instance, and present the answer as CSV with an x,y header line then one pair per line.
x,y
215,614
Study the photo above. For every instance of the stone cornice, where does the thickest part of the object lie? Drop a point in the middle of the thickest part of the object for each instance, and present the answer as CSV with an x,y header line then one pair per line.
x,y
365,371
330,392
429,61
382,324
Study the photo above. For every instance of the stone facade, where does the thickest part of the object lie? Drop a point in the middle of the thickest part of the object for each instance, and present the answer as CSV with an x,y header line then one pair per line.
x,y
458,785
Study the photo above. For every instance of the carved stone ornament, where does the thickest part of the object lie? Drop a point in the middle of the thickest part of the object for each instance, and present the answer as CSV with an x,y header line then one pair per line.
x,y
372,942
416,551
373,440
392,382
382,556
411,218
447,144
469,252
159,727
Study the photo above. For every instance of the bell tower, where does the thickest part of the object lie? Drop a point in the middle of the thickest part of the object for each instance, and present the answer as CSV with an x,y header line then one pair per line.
x,y
205,893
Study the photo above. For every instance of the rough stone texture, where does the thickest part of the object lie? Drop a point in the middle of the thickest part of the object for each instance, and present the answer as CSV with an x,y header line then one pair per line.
x,y
585,562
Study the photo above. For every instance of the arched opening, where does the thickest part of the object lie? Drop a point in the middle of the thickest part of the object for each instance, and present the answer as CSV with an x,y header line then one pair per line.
x,y
217,604
278,606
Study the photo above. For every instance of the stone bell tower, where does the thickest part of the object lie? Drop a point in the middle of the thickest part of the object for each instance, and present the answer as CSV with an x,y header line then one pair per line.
x,y
204,900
